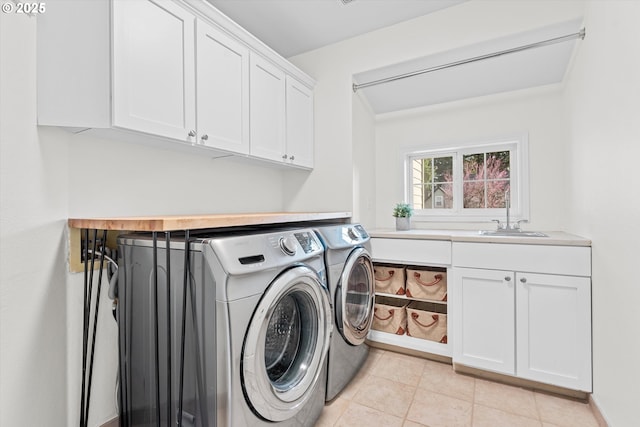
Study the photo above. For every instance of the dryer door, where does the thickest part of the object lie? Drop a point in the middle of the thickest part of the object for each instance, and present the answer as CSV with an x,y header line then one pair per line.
x,y
286,344
355,297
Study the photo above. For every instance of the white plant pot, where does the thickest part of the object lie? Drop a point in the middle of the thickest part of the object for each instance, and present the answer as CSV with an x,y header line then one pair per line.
x,y
403,224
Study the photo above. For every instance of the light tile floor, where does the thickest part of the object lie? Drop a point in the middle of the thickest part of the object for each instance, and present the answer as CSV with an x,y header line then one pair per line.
x,y
393,389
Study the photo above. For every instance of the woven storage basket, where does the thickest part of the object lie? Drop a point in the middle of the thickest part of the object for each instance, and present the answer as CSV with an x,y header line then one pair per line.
x,y
390,315
426,284
389,279
423,322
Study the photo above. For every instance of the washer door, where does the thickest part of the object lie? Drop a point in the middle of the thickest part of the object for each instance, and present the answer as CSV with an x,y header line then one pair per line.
x,y
286,344
355,297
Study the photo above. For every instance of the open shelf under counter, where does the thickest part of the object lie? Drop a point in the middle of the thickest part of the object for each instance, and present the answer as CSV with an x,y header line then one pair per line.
x,y
431,254
382,294
410,343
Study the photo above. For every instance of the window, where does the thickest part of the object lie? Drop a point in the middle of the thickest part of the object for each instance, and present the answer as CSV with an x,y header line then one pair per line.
x,y
470,182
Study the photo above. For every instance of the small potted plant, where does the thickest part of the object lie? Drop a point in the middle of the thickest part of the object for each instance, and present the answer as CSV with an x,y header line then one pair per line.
x,y
402,212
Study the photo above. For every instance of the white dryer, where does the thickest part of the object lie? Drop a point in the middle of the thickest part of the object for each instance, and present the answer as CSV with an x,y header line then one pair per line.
x,y
352,288
258,325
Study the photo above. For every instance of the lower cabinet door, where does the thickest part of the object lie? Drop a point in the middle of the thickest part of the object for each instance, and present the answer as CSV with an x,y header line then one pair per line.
x,y
484,322
554,329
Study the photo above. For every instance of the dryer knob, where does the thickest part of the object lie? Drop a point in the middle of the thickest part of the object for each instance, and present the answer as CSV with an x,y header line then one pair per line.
x,y
288,245
353,233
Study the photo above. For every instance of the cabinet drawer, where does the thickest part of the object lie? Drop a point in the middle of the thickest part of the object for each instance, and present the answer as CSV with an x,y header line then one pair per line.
x,y
409,251
566,260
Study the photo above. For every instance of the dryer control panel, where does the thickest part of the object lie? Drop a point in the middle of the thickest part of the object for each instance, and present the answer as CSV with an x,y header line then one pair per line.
x,y
308,241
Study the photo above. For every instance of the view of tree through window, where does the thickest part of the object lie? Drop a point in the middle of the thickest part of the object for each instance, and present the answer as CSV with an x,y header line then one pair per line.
x,y
485,179
462,181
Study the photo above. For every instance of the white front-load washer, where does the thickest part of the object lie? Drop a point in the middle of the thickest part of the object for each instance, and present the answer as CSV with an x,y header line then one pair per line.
x,y
352,291
258,330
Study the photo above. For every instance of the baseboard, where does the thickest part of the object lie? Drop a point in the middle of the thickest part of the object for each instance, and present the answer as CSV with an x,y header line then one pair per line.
x,y
519,382
602,422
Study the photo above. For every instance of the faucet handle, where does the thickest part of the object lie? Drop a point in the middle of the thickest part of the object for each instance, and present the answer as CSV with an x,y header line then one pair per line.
x,y
498,223
517,224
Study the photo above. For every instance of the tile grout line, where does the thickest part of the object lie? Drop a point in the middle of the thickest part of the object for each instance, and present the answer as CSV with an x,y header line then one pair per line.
x,y
473,400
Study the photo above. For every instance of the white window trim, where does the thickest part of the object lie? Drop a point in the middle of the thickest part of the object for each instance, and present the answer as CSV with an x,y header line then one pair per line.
x,y
519,180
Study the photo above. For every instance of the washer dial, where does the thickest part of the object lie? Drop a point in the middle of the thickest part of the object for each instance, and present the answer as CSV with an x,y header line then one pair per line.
x,y
288,245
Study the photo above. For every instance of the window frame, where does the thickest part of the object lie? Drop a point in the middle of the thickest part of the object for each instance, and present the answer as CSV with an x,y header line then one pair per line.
x,y
518,146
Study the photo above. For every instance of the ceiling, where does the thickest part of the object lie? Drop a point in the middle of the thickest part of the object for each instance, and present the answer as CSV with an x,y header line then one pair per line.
x,y
539,66
291,27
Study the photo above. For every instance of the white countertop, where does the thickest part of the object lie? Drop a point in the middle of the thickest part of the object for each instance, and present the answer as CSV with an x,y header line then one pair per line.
x,y
556,238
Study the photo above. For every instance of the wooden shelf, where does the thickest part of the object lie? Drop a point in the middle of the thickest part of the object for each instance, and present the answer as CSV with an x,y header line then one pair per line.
x,y
195,222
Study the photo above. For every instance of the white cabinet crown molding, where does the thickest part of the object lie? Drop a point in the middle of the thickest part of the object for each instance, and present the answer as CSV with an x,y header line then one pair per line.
x,y
208,11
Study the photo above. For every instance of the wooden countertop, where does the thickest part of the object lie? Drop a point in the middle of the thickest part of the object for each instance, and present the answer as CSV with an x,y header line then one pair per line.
x,y
194,222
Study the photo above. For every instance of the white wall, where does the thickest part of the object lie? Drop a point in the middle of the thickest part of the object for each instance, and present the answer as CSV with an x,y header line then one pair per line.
x,y
33,211
139,180
364,177
536,112
43,180
603,105
48,175
331,186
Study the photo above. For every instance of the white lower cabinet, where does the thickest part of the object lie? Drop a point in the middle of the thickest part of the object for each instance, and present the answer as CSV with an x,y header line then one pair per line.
x,y
553,329
484,321
526,324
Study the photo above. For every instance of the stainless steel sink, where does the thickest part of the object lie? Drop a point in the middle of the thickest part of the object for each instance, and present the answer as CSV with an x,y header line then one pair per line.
x,y
512,233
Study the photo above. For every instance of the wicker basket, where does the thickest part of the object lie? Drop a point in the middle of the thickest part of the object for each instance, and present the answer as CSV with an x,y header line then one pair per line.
x,y
390,315
389,279
423,322
427,284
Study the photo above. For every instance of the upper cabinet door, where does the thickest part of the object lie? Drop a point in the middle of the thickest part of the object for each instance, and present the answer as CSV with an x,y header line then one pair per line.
x,y
153,68
222,90
299,123
267,110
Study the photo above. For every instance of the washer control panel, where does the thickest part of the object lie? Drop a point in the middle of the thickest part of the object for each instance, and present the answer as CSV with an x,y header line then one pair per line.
x,y
288,245
308,241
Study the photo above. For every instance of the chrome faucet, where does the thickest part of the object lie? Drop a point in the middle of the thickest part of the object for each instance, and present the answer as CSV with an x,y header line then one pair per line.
x,y
507,226
507,193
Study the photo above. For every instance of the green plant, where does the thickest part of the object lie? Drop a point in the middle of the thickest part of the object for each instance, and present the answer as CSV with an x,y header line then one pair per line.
x,y
402,210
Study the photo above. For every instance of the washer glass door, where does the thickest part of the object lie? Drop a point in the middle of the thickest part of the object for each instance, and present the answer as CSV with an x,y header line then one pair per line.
x,y
355,297
286,344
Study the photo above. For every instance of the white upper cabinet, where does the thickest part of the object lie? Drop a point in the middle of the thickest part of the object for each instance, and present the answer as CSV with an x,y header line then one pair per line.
x,y
267,110
299,124
153,68
281,116
222,90
170,73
